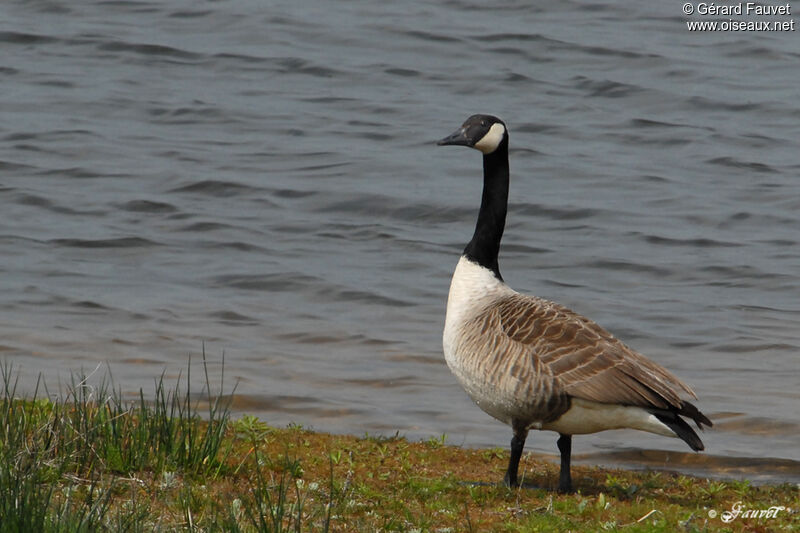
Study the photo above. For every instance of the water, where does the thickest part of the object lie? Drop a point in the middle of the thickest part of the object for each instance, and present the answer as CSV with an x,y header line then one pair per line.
x,y
261,178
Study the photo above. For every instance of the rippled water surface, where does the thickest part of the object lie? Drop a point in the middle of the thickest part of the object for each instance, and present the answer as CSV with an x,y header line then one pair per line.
x,y
261,178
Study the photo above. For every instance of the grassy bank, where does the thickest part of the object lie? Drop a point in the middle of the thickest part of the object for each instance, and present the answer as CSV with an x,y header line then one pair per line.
x,y
89,461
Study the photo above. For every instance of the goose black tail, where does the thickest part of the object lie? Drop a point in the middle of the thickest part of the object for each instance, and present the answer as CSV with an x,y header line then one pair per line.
x,y
672,419
689,410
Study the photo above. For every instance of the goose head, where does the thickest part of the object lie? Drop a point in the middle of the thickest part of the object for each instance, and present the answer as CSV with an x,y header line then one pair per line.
x,y
483,132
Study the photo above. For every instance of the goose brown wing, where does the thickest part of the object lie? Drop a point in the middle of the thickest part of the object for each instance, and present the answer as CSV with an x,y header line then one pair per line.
x,y
585,359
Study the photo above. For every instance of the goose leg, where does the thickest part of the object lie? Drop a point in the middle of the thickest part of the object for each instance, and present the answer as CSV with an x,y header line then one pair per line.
x,y
565,478
517,445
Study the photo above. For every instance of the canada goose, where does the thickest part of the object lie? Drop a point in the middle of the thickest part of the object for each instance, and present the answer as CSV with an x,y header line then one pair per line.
x,y
534,364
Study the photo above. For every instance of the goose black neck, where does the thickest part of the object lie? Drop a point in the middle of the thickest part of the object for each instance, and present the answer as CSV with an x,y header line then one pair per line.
x,y
485,244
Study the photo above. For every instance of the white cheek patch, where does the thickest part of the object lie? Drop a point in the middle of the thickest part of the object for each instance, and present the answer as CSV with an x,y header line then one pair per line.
x,y
492,139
